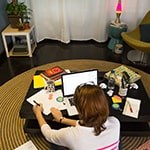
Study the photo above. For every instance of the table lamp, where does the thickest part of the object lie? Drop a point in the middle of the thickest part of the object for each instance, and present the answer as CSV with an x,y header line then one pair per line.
x,y
118,12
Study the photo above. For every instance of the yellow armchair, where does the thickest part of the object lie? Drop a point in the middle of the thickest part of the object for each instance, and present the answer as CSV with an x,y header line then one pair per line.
x,y
133,39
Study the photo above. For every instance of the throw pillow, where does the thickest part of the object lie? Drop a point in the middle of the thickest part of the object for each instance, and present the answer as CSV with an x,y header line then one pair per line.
x,y
145,32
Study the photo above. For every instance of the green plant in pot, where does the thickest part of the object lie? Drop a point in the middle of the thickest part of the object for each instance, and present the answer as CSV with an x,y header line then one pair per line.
x,y
18,13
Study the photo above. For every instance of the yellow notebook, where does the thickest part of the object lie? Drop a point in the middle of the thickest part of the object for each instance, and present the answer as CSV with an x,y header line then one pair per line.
x,y
38,81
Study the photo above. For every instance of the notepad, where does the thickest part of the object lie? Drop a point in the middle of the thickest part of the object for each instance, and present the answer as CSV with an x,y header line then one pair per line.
x,y
116,99
38,81
132,107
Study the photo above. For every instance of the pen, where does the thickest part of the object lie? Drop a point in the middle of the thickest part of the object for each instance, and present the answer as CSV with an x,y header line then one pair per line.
x,y
130,107
36,103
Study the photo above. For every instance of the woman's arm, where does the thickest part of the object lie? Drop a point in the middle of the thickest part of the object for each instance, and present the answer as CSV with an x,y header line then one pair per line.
x,y
58,117
38,113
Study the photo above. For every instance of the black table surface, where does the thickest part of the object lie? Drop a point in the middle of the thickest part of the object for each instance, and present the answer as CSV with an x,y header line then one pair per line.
x,y
140,93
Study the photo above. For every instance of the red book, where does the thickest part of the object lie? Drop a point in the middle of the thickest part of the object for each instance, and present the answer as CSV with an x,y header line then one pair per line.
x,y
53,73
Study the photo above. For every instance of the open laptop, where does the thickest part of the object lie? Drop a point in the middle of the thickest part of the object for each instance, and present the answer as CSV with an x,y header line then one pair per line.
x,y
69,83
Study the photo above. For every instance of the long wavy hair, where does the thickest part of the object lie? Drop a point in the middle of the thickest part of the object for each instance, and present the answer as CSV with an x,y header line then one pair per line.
x,y
92,106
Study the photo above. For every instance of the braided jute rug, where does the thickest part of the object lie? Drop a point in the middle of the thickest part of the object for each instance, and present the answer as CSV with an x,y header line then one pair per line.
x,y
13,92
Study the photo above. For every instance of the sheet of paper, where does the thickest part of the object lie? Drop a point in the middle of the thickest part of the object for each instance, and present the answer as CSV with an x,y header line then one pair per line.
x,y
132,107
43,97
27,146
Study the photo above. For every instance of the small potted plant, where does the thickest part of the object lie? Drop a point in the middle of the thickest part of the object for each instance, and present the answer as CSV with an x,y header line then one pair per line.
x,y
18,13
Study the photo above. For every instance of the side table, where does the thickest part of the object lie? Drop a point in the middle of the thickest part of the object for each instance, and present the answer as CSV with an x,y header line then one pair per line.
x,y
25,49
115,31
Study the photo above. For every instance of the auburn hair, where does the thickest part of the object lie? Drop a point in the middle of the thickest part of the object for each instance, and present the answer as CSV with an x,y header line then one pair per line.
x,y
92,106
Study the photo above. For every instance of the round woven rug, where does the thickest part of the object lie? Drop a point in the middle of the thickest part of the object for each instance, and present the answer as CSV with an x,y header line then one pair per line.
x,y
13,92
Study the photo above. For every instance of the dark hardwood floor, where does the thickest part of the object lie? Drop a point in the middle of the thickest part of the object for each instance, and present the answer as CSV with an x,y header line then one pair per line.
x,y
50,51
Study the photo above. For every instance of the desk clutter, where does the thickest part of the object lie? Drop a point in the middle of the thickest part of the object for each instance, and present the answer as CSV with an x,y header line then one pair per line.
x,y
60,98
123,69
124,78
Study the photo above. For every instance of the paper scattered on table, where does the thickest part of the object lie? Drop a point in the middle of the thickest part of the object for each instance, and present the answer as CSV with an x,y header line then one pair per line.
x,y
27,146
42,97
132,107
110,92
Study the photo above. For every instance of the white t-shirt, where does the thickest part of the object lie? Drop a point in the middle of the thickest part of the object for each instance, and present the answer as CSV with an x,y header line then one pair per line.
x,y
83,138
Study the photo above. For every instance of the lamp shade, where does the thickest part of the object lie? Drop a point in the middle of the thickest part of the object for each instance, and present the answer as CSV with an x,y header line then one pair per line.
x,y
119,7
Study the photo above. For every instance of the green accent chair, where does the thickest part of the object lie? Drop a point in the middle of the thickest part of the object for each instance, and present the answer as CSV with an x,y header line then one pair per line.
x,y
140,54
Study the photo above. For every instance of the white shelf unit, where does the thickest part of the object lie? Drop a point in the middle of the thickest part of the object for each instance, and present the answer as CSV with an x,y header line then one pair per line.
x,y
29,35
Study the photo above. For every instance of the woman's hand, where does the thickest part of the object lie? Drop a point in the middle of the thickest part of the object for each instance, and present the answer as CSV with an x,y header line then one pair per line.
x,y
56,114
37,109
38,114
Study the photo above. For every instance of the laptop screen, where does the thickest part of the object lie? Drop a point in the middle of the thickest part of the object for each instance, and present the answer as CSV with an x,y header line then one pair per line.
x,y
72,80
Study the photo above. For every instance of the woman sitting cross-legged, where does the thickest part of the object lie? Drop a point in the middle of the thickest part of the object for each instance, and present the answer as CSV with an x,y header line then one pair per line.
x,y
95,129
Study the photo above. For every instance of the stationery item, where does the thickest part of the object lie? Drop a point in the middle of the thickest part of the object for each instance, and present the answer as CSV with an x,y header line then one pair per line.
x,y
27,146
50,86
38,81
111,80
103,85
58,82
132,107
48,100
128,73
134,86
53,73
116,107
123,91
123,87
110,92
126,77
36,103
116,99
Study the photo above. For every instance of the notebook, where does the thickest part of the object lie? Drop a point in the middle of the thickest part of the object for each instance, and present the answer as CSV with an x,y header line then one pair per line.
x,y
71,81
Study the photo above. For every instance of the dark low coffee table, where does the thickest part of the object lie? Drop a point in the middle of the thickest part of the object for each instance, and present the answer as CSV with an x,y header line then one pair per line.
x,y
129,126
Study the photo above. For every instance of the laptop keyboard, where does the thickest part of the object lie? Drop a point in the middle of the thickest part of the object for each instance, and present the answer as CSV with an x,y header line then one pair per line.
x,y
71,101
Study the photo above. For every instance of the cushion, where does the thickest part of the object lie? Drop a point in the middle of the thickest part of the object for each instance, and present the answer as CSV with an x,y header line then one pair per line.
x,y
145,32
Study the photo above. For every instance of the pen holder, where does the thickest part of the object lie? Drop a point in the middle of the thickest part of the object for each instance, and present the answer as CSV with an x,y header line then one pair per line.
x,y
50,87
122,91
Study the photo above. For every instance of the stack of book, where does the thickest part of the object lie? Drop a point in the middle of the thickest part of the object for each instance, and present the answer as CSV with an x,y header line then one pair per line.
x,y
53,73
